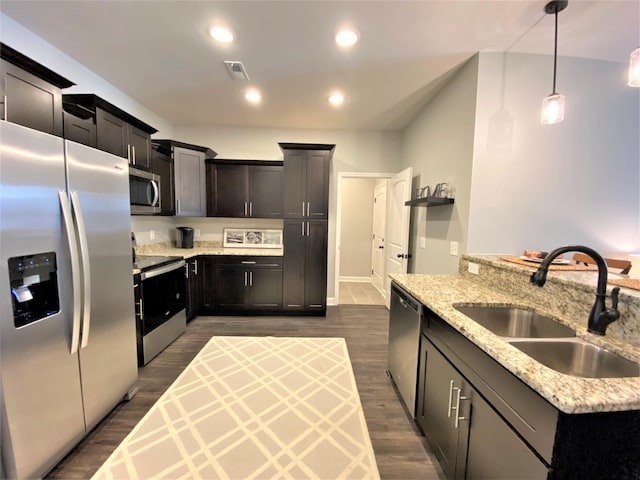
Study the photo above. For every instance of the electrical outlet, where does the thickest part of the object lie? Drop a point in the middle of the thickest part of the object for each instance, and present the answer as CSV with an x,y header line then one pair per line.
x,y
152,234
474,268
453,249
196,232
423,242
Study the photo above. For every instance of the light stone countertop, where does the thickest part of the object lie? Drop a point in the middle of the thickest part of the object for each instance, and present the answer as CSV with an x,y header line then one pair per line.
x,y
567,393
194,252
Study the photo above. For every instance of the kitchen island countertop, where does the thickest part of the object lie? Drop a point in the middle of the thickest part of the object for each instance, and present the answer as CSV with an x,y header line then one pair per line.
x,y
569,394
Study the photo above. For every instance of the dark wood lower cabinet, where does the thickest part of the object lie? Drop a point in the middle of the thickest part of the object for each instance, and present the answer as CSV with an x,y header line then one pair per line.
x,y
305,266
248,284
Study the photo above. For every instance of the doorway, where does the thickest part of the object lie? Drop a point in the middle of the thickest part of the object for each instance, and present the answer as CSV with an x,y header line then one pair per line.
x,y
360,237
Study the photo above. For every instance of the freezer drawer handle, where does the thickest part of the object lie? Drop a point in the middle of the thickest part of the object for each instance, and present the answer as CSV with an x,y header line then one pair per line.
x,y
86,269
159,271
75,269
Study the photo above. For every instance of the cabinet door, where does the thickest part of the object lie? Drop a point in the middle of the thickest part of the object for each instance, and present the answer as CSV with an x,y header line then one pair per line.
x,y
111,133
315,259
438,420
293,264
265,191
505,456
317,185
227,191
79,130
30,101
189,170
266,288
140,147
163,166
294,184
207,282
231,288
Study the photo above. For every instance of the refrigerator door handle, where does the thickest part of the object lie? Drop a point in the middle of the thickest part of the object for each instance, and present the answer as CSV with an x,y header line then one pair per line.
x,y
75,269
86,269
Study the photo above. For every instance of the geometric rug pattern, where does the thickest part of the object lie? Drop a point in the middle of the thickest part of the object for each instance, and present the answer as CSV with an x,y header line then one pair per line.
x,y
254,408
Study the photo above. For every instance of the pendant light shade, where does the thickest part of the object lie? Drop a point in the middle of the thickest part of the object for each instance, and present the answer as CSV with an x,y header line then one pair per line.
x,y
553,105
634,68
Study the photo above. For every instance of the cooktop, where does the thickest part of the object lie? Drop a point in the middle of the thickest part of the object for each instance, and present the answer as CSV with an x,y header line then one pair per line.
x,y
147,262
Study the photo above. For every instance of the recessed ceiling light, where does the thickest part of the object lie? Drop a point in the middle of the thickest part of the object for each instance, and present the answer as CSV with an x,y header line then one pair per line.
x,y
336,99
221,34
253,96
346,38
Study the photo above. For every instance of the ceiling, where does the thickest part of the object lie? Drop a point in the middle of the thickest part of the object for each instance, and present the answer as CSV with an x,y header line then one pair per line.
x,y
160,54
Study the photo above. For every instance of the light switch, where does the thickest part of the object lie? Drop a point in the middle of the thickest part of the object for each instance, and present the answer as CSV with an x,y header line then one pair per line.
x,y
152,234
423,242
474,268
196,232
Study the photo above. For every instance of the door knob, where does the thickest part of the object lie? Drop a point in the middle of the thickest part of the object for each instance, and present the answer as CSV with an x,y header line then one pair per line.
x,y
381,247
404,255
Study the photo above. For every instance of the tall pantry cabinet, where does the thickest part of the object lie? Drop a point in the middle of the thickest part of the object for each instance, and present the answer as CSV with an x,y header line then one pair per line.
x,y
306,213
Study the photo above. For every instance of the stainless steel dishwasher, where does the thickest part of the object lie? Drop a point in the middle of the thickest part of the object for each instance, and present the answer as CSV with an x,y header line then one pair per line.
x,y
404,344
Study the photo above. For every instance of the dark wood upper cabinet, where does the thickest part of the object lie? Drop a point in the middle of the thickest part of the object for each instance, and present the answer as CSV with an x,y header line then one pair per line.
x,y
306,180
30,93
244,189
162,165
117,131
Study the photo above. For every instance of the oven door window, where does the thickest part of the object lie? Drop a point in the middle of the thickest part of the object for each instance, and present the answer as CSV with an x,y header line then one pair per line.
x,y
163,296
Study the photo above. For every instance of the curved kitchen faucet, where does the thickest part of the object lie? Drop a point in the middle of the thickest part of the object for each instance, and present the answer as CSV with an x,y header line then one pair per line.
x,y
600,316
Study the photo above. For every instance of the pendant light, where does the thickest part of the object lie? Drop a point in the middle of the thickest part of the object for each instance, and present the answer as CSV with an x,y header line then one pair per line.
x,y
634,68
553,105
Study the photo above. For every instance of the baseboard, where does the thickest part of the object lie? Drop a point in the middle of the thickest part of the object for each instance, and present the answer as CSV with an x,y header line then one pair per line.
x,y
331,301
355,279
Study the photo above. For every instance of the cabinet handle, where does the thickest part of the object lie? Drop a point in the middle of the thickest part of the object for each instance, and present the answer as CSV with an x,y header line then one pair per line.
x,y
251,279
303,209
133,149
195,267
4,107
308,208
140,314
450,398
307,229
178,205
251,209
302,228
247,262
129,153
186,271
457,408
245,279
245,209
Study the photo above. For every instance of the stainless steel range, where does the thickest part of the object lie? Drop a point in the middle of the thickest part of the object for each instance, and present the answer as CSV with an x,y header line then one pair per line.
x,y
161,301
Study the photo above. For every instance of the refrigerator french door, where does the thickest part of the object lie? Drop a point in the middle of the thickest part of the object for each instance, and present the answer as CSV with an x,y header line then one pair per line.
x,y
67,325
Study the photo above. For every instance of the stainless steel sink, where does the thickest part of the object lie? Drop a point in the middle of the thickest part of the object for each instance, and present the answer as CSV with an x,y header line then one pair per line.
x,y
578,358
516,322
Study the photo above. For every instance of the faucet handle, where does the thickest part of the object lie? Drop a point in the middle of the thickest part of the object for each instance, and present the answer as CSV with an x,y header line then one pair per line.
x,y
614,298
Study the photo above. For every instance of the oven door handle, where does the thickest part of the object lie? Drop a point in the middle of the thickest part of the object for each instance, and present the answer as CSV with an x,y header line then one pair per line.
x,y
162,270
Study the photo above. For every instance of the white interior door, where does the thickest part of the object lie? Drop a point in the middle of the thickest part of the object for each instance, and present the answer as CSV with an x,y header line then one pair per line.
x,y
397,239
378,241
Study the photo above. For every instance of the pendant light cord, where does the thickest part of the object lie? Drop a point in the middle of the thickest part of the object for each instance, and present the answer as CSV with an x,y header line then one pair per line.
x,y
555,53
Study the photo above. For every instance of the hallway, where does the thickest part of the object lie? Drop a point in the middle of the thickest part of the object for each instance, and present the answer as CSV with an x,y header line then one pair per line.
x,y
359,293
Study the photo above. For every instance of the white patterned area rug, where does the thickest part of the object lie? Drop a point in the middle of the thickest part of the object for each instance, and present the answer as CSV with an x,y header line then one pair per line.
x,y
254,408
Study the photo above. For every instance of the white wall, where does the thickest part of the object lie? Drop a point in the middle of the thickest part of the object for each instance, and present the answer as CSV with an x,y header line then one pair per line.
x,y
438,144
542,186
367,152
34,47
356,227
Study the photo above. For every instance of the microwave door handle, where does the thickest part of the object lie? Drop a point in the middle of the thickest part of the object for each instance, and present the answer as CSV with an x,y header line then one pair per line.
x,y
75,269
86,269
156,194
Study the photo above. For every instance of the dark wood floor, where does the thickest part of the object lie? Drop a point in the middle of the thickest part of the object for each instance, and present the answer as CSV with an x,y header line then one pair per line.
x,y
401,451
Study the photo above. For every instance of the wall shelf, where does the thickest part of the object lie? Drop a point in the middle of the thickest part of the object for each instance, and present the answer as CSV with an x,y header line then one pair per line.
x,y
429,202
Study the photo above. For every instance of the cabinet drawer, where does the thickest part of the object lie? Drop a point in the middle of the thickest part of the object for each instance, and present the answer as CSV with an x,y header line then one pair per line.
x,y
250,262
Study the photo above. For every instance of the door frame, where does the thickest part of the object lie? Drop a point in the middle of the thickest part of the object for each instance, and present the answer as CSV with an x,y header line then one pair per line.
x,y
341,177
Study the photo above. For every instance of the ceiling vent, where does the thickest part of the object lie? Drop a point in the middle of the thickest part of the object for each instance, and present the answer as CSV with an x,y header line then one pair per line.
x,y
236,70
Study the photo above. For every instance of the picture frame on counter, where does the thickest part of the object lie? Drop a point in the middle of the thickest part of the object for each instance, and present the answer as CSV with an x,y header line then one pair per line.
x,y
252,238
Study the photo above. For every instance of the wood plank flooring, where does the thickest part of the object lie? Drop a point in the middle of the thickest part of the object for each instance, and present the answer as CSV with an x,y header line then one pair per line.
x,y
401,451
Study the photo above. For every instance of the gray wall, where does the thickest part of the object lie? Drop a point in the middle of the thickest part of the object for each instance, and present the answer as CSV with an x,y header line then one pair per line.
x,y
542,186
438,144
356,227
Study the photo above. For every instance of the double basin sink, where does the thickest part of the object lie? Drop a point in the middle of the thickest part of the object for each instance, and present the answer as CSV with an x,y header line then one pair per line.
x,y
550,343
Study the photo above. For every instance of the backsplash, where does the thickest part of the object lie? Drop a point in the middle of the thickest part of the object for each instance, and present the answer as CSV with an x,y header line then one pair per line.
x,y
568,295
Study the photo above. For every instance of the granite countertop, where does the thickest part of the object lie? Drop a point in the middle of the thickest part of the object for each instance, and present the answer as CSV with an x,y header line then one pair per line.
x,y
569,394
201,250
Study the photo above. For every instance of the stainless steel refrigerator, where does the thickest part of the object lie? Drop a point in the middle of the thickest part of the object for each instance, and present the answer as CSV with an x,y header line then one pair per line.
x,y
67,325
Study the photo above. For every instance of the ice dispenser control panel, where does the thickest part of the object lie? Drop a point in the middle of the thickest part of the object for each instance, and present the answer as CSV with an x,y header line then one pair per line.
x,y
34,287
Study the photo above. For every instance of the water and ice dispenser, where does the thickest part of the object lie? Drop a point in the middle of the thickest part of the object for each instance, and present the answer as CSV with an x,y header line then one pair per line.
x,y
34,287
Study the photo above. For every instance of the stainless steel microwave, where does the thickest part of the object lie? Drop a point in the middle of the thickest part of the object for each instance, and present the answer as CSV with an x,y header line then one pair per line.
x,y
144,191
